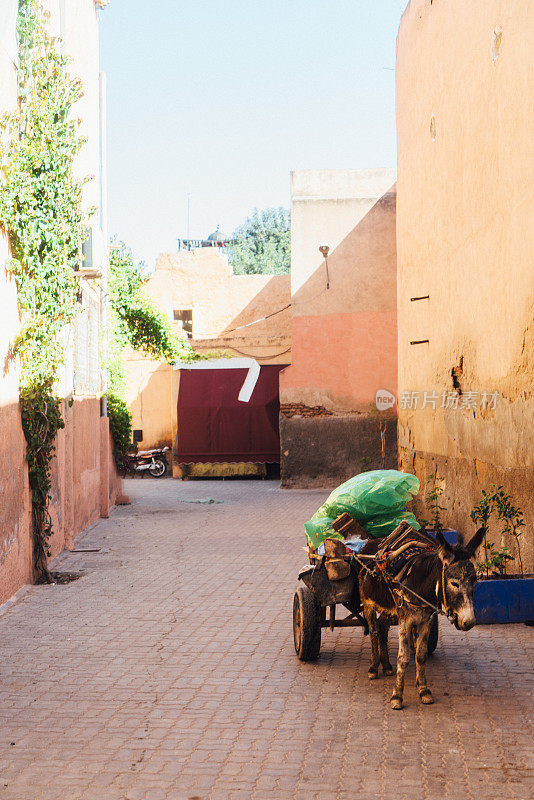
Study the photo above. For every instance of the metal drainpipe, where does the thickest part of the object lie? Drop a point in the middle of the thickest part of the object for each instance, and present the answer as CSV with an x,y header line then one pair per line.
x,y
104,232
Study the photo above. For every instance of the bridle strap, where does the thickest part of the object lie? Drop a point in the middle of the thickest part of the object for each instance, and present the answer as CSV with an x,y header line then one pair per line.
x,y
445,604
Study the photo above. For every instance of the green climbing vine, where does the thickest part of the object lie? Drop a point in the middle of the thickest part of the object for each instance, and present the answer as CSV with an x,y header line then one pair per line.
x,y
41,211
41,420
139,322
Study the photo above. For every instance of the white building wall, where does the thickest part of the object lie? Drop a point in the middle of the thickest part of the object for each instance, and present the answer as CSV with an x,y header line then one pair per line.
x,y
9,382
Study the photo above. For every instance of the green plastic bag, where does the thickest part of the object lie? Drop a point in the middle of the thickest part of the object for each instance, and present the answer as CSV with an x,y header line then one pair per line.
x,y
376,499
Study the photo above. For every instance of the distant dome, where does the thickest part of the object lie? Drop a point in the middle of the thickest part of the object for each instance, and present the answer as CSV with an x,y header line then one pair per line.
x,y
216,236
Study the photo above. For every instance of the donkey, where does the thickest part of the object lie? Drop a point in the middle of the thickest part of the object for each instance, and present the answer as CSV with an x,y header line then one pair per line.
x,y
443,576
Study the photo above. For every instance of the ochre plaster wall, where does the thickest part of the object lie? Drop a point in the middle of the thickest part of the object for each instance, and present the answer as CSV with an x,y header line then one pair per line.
x,y
202,280
149,398
465,81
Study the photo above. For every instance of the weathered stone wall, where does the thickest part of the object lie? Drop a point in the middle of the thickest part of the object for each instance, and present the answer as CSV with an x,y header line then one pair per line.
x,y
464,237
328,450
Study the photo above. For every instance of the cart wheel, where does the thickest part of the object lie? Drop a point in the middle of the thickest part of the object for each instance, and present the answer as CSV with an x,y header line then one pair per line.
x,y
306,624
433,635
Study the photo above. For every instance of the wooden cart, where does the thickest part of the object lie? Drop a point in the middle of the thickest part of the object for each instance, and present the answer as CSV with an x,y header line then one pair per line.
x,y
315,603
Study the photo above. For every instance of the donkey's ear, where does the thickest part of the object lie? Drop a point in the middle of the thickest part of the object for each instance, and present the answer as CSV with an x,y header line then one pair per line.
x,y
445,551
473,544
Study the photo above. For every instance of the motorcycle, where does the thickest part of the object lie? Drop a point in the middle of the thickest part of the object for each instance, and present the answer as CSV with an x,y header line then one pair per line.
x,y
152,461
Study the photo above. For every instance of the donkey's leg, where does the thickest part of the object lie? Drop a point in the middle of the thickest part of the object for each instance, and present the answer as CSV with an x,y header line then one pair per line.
x,y
372,621
383,632
403,659
421,653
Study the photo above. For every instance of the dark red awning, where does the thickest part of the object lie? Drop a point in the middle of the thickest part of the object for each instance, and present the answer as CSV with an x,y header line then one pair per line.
x,y
215,427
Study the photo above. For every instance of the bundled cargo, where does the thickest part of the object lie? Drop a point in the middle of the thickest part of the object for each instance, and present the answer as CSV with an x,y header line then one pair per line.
x,y
377,500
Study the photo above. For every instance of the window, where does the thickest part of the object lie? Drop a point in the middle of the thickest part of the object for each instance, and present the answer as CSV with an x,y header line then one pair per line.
x,y
184,320
87,251
87,347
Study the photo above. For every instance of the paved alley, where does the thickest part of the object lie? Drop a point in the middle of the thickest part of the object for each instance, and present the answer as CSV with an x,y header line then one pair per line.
x,y
167,672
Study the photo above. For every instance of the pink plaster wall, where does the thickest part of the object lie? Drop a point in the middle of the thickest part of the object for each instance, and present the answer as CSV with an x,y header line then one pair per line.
x,y
344,337
110,480
85,485
15,550
84,473
347,356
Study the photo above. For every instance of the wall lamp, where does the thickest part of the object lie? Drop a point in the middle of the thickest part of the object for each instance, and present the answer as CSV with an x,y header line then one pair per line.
x,y
324,250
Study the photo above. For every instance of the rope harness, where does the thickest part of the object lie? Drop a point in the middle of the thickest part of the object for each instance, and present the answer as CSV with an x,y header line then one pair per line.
x,y
394,561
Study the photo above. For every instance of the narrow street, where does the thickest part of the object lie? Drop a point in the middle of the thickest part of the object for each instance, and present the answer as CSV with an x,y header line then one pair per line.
x,y
168,671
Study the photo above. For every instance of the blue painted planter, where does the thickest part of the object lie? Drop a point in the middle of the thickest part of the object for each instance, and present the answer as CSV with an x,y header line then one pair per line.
x,y
449,535
503,601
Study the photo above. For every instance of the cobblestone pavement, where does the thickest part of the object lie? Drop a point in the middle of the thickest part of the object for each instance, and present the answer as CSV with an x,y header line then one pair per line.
x,y
168,671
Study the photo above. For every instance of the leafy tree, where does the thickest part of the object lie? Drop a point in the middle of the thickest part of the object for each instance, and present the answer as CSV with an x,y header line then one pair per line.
x,y
497,500
262,244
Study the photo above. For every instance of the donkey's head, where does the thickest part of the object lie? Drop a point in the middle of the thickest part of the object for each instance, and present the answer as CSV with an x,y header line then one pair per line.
x,y
459,578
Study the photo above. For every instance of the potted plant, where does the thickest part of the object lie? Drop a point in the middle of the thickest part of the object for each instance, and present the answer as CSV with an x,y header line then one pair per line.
x,y
500,596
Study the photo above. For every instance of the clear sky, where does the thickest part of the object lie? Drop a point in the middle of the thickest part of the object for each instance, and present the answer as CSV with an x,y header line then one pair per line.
x,y
222,99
